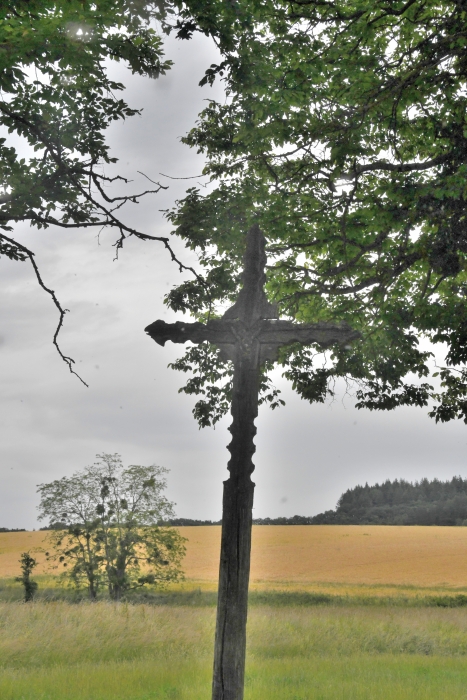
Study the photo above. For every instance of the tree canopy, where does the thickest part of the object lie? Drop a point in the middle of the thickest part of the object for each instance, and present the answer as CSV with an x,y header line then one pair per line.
x,y
343,135
345,138
58,98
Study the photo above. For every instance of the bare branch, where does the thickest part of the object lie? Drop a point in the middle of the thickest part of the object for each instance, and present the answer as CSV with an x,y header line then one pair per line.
x,y
192,177
125,198
68,360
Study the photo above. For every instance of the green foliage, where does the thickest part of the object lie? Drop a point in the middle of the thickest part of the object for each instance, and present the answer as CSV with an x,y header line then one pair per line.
x,y
401,503
345,138
28,563
453,400
57,100
111,535
212,378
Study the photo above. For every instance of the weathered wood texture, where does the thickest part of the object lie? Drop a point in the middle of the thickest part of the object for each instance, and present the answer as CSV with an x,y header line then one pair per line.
x,y
234,568
248,334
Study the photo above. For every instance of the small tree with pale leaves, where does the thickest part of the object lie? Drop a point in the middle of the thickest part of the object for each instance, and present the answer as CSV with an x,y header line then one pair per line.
x,y
111,536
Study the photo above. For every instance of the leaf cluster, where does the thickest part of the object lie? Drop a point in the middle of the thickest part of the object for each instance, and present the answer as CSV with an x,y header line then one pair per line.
x,y
28,563
213,380
56,96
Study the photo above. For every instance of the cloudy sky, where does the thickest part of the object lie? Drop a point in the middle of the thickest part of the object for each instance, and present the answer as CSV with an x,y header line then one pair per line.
x,y
51,425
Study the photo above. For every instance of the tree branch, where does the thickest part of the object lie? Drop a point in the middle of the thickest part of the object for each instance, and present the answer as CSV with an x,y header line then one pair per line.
x,y
68,360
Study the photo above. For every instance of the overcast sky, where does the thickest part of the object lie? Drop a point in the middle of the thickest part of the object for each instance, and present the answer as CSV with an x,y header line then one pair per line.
x,y
51,425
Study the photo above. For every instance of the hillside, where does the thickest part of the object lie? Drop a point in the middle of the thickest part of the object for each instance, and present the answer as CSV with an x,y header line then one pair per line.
x,y
401,502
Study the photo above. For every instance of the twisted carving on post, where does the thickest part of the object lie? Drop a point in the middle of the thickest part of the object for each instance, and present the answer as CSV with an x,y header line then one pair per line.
x,y
249,333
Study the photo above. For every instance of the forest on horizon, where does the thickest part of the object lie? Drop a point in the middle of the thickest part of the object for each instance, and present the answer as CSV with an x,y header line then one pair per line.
x,y
397,502
401,502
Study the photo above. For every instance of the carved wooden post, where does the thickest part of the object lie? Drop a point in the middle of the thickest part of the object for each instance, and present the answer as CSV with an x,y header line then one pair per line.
x,y
248,334
237,507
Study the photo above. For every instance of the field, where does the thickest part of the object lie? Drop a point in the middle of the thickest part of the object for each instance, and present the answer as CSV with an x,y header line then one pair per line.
x,y
337,613
376,559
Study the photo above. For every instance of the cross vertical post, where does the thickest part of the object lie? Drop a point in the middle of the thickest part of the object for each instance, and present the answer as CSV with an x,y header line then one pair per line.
x,y
248,334
237,513
237,505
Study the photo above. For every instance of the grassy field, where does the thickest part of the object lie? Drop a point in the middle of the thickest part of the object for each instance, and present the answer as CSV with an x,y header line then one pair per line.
x,y
103,651
336,613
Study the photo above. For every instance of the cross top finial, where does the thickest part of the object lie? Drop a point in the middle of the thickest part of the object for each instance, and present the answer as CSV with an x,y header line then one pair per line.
x,y
252,304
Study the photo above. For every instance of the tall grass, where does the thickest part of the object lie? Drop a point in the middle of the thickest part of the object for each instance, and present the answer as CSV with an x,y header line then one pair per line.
x,y
57,634
346,637
104,651
352,678
204,593
60,634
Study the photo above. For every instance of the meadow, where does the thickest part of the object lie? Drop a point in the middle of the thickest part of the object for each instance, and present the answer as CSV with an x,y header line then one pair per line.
x,y
337,612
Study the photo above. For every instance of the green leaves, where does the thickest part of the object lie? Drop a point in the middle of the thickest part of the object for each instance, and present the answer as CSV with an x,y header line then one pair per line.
x,y
212,379
109,517
344,138
57,100
28,563
58,97
452,401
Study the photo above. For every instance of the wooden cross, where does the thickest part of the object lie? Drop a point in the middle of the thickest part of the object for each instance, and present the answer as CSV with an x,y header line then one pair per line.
x,y
249,333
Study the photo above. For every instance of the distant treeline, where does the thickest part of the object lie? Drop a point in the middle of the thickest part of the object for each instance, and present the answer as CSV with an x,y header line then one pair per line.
x,y
294,520
396,502
187,522
12,529
401,502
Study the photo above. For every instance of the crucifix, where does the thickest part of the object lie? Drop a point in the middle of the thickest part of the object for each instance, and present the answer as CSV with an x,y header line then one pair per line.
x,y
248,333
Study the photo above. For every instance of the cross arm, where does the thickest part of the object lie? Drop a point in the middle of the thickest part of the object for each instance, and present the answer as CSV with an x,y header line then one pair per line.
x,y
285,332
275,334
270,334
215,331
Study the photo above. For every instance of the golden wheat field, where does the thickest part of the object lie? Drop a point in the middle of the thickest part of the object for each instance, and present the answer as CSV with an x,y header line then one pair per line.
x,y
335,554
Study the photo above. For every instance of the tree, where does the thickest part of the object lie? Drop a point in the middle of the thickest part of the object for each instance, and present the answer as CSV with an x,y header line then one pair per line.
x,y
345,138
112,535
56,102
28,563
